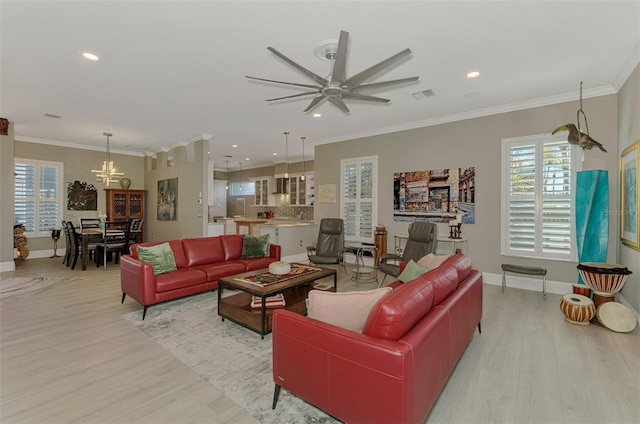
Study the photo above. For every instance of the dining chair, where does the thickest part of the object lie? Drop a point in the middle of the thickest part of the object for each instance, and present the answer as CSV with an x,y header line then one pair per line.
x,y
75,238
67,240
115,240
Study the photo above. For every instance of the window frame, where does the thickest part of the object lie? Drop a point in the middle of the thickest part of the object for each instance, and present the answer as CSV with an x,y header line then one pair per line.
x,y
59,199
235,192
374,199
576,165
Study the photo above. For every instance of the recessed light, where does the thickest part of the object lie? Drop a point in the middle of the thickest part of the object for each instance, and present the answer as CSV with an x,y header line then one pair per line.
x,y
234,145
473,74
317,115
247,159
90,56
275,154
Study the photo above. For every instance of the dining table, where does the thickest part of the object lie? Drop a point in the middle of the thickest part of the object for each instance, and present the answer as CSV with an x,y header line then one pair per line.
x,y
86,233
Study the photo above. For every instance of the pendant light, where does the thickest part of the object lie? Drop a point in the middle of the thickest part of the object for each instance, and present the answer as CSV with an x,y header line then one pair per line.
x,y
227,186
240,163
302,178
108,172
286,152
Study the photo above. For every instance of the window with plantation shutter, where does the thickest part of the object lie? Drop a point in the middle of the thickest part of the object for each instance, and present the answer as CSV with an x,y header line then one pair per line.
x,y
538,177
359,188
38,196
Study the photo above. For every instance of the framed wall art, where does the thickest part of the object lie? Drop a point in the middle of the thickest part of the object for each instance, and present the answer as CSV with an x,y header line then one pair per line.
x,y
168,200
436,195
82,197
629,188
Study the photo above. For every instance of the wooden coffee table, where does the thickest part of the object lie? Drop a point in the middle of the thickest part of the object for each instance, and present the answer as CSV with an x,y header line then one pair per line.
x,y
237,307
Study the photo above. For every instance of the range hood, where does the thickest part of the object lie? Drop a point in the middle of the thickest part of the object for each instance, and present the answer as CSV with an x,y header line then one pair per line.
x,y
282,186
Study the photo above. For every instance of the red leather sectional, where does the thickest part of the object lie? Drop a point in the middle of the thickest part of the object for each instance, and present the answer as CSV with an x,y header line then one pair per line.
x,y
200,262
394,371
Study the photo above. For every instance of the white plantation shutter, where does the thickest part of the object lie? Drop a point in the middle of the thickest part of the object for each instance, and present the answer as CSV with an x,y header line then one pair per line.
x,y
38,196
358,192
538,188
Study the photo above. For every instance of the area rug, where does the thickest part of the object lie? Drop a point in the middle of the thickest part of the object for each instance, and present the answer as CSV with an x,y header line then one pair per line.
x,y
231,358
16,288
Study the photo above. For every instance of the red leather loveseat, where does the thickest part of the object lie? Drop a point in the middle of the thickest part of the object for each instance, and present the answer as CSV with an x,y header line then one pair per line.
x,y
200,262
394,370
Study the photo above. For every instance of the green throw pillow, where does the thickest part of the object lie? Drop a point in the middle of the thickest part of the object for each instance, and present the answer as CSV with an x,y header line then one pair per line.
x,y
255,246
160,257
411,272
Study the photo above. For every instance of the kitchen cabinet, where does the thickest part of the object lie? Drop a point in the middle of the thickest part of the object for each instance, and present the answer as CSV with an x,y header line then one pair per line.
x,y
263,196
301,192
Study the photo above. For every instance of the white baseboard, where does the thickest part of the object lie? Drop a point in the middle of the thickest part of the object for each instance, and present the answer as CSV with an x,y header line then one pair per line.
x,y
33,254
620,298
7,266
535,284
527,283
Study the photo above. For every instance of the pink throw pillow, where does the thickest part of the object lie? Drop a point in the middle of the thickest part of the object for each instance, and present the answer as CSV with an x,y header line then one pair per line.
x,y
348,310
432,261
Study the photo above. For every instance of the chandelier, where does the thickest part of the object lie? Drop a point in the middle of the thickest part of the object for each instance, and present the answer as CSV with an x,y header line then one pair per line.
x,y
108,172
286,153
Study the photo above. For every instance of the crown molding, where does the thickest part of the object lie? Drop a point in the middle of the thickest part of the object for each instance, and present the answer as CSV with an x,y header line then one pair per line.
x,y
478,113
633,59
76,146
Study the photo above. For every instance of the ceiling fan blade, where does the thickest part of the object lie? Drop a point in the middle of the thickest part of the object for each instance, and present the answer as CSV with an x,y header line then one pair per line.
x,y
356,96
387,83
338,102
315,77
338,74
306,93
359,78
283,82
315,102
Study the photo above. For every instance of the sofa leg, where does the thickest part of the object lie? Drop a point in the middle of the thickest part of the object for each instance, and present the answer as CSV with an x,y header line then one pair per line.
x,y
123,296
144,312
480,327
276,395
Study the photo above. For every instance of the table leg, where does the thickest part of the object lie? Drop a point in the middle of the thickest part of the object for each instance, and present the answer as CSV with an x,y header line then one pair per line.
x,y
85,251
220,285
263,318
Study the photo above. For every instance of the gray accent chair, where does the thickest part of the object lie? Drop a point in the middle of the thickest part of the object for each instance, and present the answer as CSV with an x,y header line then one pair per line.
x,y
423,239
330,245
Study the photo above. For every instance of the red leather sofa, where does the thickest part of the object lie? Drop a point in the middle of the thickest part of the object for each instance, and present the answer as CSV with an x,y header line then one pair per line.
x,y
200,262
394,370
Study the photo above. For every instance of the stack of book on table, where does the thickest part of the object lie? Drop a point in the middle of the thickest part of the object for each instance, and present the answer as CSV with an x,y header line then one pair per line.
x,y
276,301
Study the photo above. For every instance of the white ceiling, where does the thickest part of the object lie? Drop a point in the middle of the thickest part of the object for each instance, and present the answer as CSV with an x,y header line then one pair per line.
x,y
170,71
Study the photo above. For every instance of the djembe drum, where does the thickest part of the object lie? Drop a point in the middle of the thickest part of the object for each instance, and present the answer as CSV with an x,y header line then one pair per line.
x,y
577,309
604,279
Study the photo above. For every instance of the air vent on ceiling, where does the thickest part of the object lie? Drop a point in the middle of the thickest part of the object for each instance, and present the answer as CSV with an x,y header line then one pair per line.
x,y
51,115
423,94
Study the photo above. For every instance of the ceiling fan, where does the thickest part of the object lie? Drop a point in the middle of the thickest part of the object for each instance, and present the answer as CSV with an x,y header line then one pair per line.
x,y
338,87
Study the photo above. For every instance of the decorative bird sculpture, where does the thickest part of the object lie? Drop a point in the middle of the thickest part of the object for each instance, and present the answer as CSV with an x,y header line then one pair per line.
x,y
579,138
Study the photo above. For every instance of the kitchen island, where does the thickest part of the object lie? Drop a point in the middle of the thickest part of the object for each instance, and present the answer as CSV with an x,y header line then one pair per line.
x,y
292,236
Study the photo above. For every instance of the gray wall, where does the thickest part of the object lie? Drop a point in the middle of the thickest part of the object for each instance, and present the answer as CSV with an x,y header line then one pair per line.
x,y
78,164
629,133
475,142
190,166
6,192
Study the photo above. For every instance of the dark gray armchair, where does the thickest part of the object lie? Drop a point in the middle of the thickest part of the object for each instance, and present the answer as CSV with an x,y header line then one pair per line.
x,y
423,239
330,246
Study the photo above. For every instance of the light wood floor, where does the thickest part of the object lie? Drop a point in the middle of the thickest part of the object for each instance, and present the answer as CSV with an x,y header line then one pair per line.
x,y
67,356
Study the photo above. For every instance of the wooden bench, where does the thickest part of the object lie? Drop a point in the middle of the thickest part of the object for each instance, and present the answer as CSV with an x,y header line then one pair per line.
x,y
526,270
